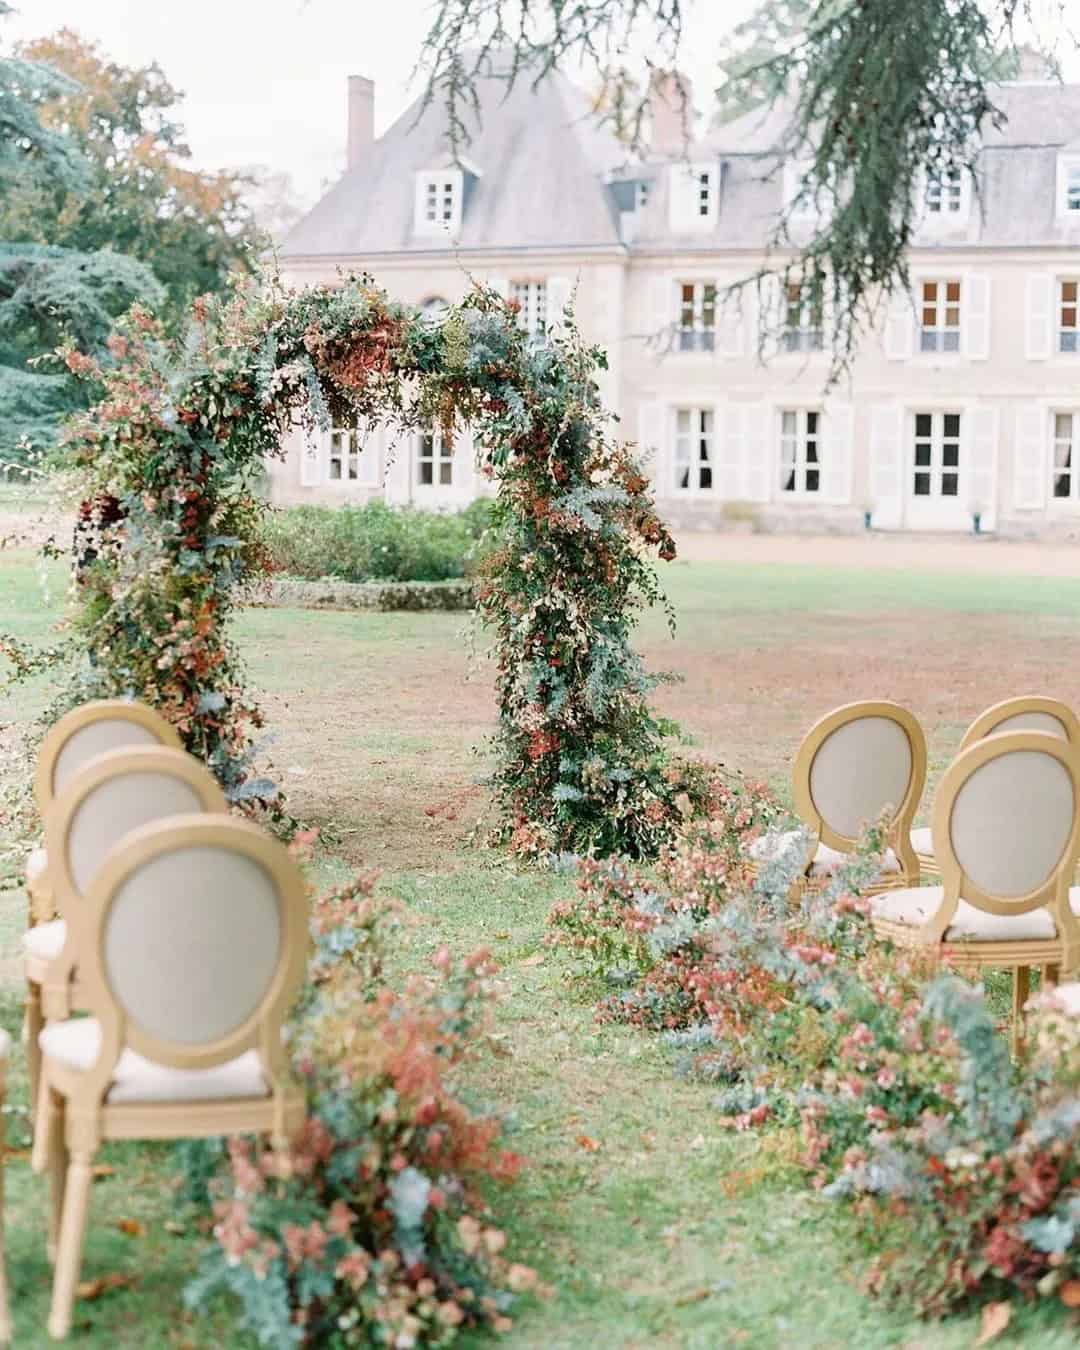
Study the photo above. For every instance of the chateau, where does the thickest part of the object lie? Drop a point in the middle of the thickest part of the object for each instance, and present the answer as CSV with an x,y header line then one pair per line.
x,y
967,402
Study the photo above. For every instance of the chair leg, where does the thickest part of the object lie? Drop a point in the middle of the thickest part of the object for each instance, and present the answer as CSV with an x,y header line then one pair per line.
x,y
58,1172
1021,993
34,1024
69,1253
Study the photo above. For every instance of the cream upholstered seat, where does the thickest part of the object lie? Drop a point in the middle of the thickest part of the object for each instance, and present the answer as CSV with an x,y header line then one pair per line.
x,y
197,936
76,1044
74,740
826,861
113,793
1027,713
1068,995
860,763
1007,833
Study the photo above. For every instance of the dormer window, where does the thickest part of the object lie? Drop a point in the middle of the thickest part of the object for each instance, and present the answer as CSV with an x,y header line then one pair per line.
x,y
1069,186
531,297
438,201
946,197
695,196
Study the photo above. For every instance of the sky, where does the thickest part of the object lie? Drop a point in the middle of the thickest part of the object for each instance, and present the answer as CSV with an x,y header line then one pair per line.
x,y
264,80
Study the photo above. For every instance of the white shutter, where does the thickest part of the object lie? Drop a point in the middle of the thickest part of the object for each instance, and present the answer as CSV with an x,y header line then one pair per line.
x,y
757,453
982,459
836,448
887,464
1030,457
899,327
662,313
652,441
372,435
559,290
975,302
397,485
730,322
768,316
313,457
729,422
1039,317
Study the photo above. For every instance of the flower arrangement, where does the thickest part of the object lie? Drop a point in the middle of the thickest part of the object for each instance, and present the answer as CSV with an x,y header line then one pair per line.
x,y
889,1077
166,464
373,1228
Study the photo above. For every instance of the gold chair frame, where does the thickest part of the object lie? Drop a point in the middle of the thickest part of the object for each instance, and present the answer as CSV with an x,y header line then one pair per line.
x,y
52,990
40,889
78,1116
990,719
898,832
1053,955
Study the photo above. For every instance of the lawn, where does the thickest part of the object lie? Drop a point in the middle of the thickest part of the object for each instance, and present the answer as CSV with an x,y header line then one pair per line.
x,y
665,1233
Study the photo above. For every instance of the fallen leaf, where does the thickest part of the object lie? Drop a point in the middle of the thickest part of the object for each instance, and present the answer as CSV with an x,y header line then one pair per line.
x,y
995,1318
132,1227
1069,1293
589,1144
537,959
694,1296
104,1284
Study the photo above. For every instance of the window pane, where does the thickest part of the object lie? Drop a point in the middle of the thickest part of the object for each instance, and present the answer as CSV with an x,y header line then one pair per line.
x,y
811,452
1068,342
950,455
446,473
787,422
929,317
922,485
1068,291
922,424
951,342
928,340
425,473
812,476
706,421
952,292
948,484
706,476
335,468
682,421
929,291
952,424
952,317
1061,485
1068,316
922,454
811,423
1063,424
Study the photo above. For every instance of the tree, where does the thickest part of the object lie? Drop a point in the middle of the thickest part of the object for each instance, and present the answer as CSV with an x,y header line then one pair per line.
x,y
191,228
881,91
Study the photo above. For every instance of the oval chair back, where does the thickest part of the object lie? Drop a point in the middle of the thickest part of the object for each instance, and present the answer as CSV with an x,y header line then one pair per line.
x,y
854,765
199,944
1007,831
1026,713
90,730
112,795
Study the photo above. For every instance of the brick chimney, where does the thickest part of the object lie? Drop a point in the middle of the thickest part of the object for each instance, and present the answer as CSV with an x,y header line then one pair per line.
x,y
361,131
672,108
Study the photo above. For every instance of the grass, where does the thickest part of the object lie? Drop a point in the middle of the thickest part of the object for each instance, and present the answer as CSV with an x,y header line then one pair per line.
x,y
671,1232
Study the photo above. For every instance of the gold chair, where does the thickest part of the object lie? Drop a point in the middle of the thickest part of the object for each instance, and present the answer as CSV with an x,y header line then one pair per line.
x,y
197,944
5,1313
1007,832
106,724
854,765
1027,713
113,793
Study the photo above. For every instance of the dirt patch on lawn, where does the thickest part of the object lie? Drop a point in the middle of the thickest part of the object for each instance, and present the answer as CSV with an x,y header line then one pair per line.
x,y
380,750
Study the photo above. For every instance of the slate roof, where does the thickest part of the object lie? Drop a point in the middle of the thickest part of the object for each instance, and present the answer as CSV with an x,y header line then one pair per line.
x,y
544,168
541,161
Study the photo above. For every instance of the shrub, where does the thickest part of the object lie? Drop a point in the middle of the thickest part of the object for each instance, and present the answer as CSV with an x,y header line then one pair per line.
x,y
372,1230
376,542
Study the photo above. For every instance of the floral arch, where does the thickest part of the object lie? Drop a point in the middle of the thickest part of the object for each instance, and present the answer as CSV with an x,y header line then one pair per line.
x,y
167,466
